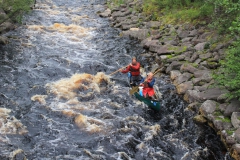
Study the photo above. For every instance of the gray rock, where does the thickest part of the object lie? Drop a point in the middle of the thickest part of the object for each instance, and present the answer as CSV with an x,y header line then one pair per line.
x,y
174,74
188,68
211,94
161,49
192,96
230,140
182,88
208,107
174,66
137,33
235,151
237,135
150,43
154,24
205,56
6,26
106,13
198,61
200,119
200,73
193,33
176,58
235,119
183,34
222,107
194,106
234,106
200,46
3,40
182,78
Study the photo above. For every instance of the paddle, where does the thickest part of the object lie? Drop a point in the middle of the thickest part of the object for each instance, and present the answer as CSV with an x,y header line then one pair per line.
x,y
117,71
135,89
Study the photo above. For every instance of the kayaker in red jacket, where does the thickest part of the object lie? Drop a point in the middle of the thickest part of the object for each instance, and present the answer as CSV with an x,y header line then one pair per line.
x,y
133,70
147,83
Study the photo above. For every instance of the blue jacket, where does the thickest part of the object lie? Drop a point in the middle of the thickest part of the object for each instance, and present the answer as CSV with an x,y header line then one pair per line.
x,y
150,84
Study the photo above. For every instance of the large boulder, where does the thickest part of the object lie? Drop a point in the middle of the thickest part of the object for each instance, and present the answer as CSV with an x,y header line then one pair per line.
x,y
200,46
208,107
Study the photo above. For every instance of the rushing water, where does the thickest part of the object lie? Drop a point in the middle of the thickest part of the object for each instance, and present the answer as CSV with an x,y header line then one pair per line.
x,y
58,102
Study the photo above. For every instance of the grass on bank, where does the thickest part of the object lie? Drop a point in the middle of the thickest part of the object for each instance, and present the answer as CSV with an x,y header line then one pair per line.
x,y
14,9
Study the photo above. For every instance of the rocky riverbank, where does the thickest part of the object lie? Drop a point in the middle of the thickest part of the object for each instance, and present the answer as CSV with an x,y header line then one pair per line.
x,y
189,54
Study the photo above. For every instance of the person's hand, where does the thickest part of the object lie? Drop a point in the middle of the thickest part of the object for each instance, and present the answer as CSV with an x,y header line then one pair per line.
x,y
130,64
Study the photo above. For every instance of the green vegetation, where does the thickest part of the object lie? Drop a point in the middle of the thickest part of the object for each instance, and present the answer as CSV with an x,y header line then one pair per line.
x,y
14,9
225,119
230,132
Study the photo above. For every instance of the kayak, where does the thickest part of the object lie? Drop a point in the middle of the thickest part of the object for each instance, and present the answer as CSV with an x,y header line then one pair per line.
x,y
152,103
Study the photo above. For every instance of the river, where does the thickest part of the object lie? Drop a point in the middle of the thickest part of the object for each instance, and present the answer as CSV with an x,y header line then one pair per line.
x,y
58,102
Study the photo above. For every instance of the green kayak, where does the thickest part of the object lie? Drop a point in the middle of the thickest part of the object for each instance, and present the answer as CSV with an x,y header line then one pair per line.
x,y
154,104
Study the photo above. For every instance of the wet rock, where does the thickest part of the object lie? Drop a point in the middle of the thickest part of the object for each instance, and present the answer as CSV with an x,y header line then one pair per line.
x,y
188,68
232,107
182,88
208,107
192,96
182,78
174,74
106,13
200,119
235,119
18,155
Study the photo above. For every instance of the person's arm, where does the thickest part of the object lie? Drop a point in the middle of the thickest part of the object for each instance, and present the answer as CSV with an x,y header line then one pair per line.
x,y
150,84
126,70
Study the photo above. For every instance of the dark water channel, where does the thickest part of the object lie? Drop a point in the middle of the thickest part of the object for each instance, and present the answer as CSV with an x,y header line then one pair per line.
x,y
57,102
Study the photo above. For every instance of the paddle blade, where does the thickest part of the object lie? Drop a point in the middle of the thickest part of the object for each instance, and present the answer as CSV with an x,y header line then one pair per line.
x,y
133,90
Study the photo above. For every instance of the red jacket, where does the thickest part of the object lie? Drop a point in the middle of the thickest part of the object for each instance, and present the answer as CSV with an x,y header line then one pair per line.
x,y
134,69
